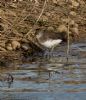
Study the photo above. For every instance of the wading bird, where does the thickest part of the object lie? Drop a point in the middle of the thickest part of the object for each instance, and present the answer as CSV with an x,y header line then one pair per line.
x,y
50,39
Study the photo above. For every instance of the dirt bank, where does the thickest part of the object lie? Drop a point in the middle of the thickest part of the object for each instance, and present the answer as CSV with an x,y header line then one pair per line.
x,y
20,18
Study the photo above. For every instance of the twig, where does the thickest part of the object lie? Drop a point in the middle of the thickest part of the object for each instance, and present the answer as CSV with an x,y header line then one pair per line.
x,y
68,41
68,34
41,11
38,17
27,14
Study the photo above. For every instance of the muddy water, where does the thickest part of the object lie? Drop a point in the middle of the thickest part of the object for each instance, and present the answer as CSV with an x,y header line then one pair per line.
x,y
52,79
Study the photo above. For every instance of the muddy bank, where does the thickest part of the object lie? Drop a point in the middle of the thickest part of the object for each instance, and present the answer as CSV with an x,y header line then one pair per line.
x,y
19,20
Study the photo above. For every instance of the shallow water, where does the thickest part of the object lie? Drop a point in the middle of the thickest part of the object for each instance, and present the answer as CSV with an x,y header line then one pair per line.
x,y
53,79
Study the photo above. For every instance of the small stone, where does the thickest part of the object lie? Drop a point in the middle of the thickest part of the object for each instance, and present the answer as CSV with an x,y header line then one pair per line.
x,y
2,49
47,14
55,1
15,44
72,22
62,28
75,4
82,2
9,47
76,25
73,13
50,28
25,46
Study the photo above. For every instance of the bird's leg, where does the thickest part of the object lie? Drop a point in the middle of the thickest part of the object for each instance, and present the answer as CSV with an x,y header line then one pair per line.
x,y
46,54
51,52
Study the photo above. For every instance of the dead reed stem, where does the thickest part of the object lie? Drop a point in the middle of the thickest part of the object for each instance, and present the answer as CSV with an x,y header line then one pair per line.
x,y
38,18
68,41
42,11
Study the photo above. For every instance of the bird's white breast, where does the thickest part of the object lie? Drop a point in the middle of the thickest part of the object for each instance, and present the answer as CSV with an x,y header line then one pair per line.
x,y
50,43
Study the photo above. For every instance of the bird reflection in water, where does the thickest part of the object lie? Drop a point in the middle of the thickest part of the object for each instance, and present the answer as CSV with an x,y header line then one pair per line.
x,y
7,79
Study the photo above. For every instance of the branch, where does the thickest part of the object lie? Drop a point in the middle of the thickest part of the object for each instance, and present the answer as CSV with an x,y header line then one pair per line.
x,y
38,17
